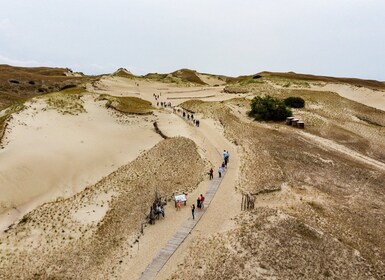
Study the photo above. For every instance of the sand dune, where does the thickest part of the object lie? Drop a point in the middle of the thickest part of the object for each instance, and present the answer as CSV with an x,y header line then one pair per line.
x,y
302,201
50,155
369,97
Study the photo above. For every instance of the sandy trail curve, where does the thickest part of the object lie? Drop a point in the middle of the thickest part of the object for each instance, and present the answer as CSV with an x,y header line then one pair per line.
x,y
333,146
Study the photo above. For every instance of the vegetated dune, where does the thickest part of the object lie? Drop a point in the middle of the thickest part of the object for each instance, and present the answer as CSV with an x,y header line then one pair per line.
x,y
372,84
64,141
318,192
19,83
85,236
295,77
319,209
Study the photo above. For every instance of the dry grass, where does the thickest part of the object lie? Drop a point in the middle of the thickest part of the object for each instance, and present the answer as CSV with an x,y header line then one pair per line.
x,y
67,101
188,75
124,74
128,105
329,219
181,77
306,77
63,248
20,83
291,79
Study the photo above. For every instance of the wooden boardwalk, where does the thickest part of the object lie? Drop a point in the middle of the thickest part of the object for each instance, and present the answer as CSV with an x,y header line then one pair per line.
x,y
166,252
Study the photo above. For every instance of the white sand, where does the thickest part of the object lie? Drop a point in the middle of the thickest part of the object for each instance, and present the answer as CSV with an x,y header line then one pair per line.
x,y
369,97
49,155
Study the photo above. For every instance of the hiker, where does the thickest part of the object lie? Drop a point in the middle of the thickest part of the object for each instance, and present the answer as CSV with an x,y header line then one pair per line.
x,y
220,170
197,123
223,165
157,104
178,205
199,202
226,157
224,154
188,116
202,201
193,211
211,173
184,114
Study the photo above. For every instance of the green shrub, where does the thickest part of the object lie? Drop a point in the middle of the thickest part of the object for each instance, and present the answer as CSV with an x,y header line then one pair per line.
x,y
294,102
269,109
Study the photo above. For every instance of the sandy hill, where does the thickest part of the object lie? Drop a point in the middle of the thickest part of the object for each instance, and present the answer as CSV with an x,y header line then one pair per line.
x,y
123,72
295,77
23,82
89,161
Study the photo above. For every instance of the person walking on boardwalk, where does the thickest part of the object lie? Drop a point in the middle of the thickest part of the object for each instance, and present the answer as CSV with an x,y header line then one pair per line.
x,y
220,170
193,211
202,201
225,157
211,173
199,202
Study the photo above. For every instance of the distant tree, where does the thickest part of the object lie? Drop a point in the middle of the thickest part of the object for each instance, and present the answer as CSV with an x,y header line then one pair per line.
x,y
268,108
294,102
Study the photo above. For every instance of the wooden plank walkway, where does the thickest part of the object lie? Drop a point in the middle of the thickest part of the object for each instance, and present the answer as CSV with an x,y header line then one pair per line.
x,y
172,245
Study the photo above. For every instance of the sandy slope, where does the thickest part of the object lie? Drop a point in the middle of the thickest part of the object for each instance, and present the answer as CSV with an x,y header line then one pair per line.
x,y
49,155
369,97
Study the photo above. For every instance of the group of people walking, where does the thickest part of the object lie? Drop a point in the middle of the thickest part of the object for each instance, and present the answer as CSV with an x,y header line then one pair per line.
x,y
163,104
221,168
187,115
200,200
200,205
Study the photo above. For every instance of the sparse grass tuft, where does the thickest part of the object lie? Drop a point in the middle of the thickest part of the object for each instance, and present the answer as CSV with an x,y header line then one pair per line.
x,y
67,101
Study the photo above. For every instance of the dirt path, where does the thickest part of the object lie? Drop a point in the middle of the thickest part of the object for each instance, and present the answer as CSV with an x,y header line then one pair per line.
x,y
333,146
211,142
224,206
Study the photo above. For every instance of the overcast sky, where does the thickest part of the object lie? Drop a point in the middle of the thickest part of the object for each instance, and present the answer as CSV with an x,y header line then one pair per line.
x,y
329,37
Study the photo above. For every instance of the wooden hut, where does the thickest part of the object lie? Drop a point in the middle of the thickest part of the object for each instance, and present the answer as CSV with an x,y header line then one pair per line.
x,y
288,120
301,124
294,122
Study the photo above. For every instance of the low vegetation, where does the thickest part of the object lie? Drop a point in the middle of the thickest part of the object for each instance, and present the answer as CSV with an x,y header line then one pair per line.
x,y
128,105
124,73
67,101
17,84
16,107
294,102
269,108
235,89
180,77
